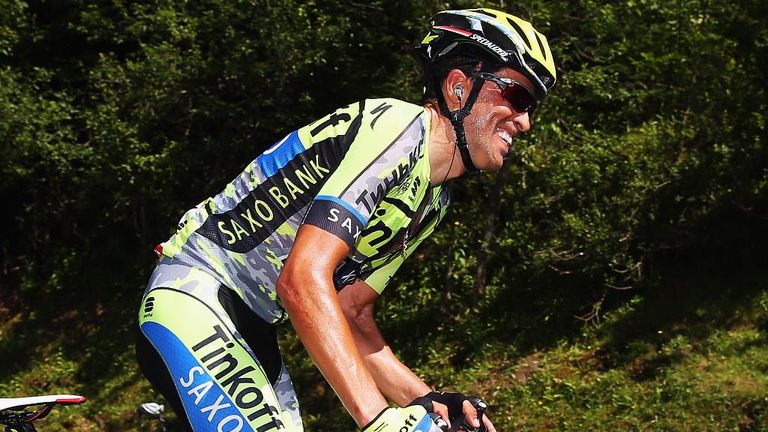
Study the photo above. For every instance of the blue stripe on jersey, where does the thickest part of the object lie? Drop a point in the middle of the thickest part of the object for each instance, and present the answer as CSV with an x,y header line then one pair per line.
x,y
278,156
201,391
344,204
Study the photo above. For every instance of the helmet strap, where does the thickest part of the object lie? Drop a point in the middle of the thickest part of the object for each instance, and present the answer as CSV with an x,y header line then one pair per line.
x,y
457,120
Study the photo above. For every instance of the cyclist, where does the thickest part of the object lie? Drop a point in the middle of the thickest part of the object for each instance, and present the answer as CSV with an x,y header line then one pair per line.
x,y
315,227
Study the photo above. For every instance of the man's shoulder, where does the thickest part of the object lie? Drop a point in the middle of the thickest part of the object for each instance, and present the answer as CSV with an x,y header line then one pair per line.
x,y
372,110
391,114
397,105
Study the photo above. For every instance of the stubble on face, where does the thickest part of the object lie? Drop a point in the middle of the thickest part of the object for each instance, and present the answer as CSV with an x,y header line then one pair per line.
x,y
483,126
482,131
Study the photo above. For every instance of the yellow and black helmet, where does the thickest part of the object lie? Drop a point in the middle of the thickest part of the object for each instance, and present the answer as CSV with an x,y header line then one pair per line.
x,y
493,36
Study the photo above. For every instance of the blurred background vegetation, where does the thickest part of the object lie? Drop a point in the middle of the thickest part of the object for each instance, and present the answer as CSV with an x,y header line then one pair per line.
x,y
613,277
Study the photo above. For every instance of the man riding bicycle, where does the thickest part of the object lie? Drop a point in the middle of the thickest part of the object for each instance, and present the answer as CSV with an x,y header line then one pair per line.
x,y
315,227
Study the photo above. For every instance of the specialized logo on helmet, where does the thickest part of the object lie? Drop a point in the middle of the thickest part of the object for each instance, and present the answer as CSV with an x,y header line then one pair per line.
x,y
492,46
481,40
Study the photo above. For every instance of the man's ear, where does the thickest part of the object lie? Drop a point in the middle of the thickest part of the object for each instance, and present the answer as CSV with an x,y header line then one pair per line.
x,y
456,87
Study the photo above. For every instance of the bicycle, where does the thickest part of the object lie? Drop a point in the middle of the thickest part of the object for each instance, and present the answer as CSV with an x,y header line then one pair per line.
x,y
155,411
16,418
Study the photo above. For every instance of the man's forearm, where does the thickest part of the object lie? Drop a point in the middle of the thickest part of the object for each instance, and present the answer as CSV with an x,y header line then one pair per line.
x,y
395,380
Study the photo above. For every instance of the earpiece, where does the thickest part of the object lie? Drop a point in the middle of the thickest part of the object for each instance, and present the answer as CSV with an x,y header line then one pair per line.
x,y
458,91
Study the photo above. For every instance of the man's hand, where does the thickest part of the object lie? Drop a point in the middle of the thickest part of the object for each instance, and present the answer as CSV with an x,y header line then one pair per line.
x,y
458,408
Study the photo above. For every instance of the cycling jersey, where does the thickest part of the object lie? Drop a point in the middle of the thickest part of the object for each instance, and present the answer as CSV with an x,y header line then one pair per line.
x,y
206,342
361,173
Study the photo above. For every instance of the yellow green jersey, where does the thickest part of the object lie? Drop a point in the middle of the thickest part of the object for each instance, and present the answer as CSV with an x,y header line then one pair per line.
x,y
361,173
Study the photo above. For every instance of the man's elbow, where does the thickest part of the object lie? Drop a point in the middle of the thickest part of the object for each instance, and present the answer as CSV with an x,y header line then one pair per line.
x,y
286,287
298,284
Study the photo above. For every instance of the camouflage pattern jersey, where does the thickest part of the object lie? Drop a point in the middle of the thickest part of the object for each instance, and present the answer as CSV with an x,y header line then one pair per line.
x,y
361,173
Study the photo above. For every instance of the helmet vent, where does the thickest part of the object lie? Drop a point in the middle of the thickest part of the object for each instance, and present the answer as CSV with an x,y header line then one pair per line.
x,y
485,12
520,32
542,50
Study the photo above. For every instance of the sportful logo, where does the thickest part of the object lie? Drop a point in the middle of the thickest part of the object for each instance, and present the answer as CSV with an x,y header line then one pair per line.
x,y
483,41
149,305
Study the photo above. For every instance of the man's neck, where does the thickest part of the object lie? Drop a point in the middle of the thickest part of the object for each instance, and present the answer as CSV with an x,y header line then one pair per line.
x,y
444,159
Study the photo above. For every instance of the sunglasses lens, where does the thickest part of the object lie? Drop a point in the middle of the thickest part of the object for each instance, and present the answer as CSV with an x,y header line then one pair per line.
x,y
520,98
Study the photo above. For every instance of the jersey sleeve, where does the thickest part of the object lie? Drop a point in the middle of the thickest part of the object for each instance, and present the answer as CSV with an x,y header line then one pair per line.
x,y
381,140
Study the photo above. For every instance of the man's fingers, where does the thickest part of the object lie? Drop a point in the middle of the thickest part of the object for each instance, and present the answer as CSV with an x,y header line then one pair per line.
x,y
442,411
488,424
470,413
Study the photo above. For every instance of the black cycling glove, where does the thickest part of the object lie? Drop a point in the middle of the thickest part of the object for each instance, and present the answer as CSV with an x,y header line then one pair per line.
x,y
455,402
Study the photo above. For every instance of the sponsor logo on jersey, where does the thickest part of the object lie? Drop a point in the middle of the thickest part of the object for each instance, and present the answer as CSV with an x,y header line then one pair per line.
x,y
238,383
294,176
267,207
369,198
337,217
218,392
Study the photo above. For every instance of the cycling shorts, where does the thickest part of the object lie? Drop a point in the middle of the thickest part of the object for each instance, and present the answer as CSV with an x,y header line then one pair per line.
x,y
214,360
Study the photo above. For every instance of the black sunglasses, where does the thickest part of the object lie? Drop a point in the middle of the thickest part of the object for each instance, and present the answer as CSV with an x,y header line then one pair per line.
x,y
516,93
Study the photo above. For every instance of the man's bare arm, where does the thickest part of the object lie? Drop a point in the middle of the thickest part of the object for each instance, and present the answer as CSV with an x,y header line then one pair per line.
x,y
395,380
306,289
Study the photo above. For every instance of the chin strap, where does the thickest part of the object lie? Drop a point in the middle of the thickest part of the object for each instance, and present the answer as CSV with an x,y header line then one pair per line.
x,y
457,120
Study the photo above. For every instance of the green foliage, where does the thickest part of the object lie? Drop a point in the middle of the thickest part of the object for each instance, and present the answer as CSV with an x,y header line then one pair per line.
x,y
649,155
645,145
